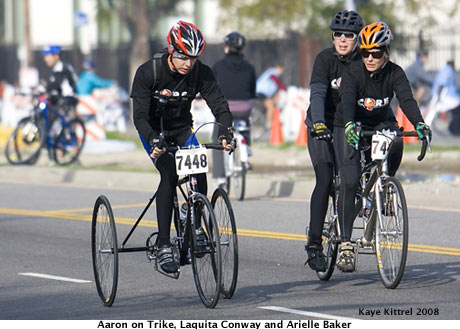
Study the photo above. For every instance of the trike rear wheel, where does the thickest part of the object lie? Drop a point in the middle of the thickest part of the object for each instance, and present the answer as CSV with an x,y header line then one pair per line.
x,y
104,248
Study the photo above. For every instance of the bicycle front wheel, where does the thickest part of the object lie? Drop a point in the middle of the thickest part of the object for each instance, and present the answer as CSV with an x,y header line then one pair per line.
x,y
104,248
392,233
206,255
329,240
228,241
26,141
70,141
237,175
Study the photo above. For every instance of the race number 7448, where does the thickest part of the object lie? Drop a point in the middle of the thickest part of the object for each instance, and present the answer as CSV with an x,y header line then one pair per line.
x,y
192,161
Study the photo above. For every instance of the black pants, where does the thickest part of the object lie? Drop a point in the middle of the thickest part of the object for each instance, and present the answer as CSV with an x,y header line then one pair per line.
x,y
168,182
348,164
322,158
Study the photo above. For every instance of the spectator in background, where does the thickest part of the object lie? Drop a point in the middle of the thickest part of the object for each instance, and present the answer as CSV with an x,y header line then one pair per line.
x,y
418,78
89,80
445,97
267,86
61,85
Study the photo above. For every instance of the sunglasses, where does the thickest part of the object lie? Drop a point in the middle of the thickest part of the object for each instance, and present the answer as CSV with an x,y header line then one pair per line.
x,y
347,35
375,54
181,56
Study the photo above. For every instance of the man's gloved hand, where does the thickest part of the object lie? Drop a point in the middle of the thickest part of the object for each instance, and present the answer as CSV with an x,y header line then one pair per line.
x,y
321,132
423,130
351,135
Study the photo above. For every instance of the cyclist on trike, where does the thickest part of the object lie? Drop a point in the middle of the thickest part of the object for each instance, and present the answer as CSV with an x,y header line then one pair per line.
x,y
162,92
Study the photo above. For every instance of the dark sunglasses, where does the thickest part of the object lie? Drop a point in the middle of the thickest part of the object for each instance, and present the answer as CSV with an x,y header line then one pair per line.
x,y
347,35
375,54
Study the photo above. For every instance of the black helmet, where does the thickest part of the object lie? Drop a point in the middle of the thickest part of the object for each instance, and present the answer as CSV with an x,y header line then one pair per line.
x,y
235,41
347,21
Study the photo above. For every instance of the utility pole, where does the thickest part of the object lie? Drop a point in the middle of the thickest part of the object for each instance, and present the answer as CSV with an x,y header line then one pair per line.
x,y
29,60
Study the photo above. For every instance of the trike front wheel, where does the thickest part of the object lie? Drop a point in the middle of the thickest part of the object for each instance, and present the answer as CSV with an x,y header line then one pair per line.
x,y
206,255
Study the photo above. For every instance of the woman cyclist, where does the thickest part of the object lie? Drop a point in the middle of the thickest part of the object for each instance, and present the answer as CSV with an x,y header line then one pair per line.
x,y
365,94
179,78
325,82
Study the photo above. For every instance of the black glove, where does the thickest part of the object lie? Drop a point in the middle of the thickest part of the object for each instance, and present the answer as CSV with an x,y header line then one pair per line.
x,y
321,132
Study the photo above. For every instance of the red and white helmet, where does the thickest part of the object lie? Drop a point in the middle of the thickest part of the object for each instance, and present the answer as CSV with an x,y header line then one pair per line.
x,y
186,39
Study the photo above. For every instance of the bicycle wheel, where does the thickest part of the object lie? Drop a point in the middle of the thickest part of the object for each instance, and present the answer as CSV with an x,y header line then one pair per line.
x,y
258,121
237,175
25,143
392,234
70,141
104,247
206,256
228,241
329,240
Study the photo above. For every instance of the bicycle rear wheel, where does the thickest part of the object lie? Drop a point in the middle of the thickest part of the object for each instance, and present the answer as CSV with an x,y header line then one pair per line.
x,y
329,240
258,121
392,234
237,177
70,141
228,241
25,143
206,258
104,248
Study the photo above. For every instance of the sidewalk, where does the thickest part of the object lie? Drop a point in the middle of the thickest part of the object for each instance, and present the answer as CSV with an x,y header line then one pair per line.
x,y
279,172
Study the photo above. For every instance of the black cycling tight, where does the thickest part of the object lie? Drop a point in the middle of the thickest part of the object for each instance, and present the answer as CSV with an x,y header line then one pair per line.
x,y
165,194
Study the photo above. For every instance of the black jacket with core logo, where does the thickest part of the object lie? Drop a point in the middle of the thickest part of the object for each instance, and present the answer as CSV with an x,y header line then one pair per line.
x,y
366,97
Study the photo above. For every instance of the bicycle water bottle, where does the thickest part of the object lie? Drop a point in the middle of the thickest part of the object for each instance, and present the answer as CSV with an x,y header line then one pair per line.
x,y
183,212
367,207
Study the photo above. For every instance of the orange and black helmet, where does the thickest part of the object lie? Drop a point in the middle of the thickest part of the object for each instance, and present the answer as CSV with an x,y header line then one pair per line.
x,y
186,39
375,35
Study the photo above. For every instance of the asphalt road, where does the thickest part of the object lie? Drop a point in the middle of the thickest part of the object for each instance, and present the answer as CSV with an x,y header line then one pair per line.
x,y
45,230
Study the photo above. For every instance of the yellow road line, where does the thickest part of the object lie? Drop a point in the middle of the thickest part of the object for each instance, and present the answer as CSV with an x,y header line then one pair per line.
x,y
241,232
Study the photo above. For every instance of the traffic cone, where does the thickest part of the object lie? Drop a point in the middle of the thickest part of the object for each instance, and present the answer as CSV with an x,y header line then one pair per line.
x,y
302,135
276,133
406,125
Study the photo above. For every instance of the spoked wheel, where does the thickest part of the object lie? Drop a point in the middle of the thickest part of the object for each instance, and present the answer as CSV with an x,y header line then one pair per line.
x,y
329,240
104,250
228,241
392,234
26,141
258,121
206,255
237,175
69,142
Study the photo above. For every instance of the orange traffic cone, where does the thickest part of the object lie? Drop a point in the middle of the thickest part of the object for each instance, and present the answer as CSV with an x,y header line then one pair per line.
x,y
302,135
406,125
276,133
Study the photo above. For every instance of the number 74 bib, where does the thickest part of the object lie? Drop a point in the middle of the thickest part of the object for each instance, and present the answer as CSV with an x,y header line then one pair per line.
x,y
192,161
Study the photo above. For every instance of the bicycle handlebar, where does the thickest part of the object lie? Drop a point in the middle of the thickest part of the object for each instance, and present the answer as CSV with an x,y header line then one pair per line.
x,y
425,141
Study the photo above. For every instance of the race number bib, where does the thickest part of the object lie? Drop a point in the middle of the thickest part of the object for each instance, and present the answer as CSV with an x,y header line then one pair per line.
x,y
380,145
192,161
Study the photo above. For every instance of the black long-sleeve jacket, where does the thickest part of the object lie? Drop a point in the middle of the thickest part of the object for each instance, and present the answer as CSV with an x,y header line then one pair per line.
x,y
366,96
177,114
324,85
236,77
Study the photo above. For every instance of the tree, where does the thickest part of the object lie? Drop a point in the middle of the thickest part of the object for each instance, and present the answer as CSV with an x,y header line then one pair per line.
x,y
139,17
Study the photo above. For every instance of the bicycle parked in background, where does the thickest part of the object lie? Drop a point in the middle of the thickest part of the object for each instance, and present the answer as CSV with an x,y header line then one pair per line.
x,y
381,204
62,136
